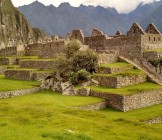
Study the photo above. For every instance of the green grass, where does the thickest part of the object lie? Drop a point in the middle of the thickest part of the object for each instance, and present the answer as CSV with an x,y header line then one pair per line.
x,y
128,89
10,66
23,69
155,50
116,65
49,116
125,73
37,59
8,84
44,71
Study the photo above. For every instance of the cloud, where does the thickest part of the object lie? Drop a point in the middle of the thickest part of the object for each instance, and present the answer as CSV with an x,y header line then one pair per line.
x,y
123,6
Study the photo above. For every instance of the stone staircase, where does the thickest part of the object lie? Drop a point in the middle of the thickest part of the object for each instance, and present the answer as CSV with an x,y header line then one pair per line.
x,y
119,75
125,87
146,67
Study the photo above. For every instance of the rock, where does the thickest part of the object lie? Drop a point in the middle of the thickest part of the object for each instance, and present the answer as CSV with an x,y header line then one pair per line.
x,y
67,88
83,92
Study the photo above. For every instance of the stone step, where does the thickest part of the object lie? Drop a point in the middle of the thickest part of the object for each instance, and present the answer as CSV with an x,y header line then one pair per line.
x,y
44,64
27,74
3,68
123,79
42,74
152,54
20,74
114,68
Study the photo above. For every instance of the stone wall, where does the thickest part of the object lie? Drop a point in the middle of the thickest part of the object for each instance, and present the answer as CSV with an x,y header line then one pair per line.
x,y
8,51
154,120
77,34
32,49
96,106
108,57
3,69
151,55
125,45
95,42
51,50
151,41
141,100
113,100
130,102
108,70
121,81
39,64
38,76
10,94
8,61
19,74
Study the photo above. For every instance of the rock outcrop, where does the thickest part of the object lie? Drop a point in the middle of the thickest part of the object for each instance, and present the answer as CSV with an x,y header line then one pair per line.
x,y
14,27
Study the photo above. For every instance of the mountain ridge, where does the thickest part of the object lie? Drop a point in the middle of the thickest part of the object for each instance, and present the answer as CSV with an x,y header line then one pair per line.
x,y
64,18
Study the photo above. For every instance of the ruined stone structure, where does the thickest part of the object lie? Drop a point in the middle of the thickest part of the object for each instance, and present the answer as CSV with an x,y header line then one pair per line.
x,y
137,48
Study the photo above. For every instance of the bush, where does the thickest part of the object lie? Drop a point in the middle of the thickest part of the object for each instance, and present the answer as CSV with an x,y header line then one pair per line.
x,y
76,65
72,48
87,60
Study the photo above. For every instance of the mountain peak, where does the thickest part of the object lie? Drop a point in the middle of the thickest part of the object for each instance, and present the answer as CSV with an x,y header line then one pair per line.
x,y
65,4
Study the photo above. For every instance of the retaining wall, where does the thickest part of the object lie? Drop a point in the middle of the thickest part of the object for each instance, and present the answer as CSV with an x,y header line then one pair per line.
x,y
9,94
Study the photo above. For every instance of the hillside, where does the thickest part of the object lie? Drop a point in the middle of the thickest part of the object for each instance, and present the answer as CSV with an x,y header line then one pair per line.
x,y
14,26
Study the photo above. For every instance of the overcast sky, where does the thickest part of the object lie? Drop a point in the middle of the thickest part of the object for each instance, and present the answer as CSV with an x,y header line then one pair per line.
x,y
123,6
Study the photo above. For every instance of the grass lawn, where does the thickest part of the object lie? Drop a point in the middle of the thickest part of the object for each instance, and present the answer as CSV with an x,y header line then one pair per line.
x,y
8,84
125,73
128,89
49,116
154,50
116,65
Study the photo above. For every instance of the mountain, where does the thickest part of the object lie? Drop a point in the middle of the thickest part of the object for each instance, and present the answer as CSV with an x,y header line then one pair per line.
x,y
155,17
143,11
64,18
14,26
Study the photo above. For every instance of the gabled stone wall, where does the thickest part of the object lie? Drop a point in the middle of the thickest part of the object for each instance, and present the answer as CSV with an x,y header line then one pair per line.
x,y
51,50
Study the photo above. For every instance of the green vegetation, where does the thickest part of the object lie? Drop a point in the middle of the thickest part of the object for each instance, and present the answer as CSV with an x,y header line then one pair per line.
x,y
125,73
8,84
76,65
25,69
116,65
37,59
128,89
49,116
155,50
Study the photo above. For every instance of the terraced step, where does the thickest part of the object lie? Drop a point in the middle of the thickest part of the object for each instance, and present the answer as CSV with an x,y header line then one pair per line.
x,y
114,68
3,68
37,75
127,90
44,64
122,79
20,74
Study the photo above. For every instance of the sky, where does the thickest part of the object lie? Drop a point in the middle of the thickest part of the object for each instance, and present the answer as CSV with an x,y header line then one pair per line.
x,y
122,6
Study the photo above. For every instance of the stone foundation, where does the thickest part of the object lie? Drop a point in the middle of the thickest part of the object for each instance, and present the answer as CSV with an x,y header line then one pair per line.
x,y
10,94
39,64
154,120
120,81
108,70
130,102
96,106
8,61
19,74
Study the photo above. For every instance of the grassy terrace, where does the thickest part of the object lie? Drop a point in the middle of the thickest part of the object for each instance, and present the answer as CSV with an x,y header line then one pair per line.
x,y
23,57
125,73
49,116
116,65
8,84
37,59
10,66
129,89
155,50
